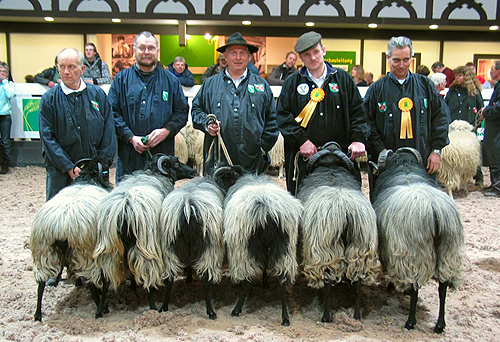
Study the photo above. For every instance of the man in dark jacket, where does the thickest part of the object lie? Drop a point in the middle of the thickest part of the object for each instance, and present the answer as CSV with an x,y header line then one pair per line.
x,y
491,143
318,104
147,100
404,109
75,122
180,69
281,72
244,108
49,77
214,69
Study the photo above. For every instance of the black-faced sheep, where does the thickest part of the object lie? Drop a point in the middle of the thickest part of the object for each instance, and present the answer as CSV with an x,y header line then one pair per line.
x,y
191,223
339,226
459,159
64,231
420,230
261,222
128,230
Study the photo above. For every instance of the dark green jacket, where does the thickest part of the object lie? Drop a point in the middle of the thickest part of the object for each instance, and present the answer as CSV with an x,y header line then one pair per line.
x,y
462,105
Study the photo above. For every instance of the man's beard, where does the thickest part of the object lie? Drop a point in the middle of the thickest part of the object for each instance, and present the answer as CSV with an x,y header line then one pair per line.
x,y
146,64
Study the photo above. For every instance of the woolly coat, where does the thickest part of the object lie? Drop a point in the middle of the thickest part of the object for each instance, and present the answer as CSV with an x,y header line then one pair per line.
x,y
491,143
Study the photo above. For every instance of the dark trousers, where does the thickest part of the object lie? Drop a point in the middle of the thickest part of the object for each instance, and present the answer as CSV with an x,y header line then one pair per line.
x,y
56,180
495,178
5,125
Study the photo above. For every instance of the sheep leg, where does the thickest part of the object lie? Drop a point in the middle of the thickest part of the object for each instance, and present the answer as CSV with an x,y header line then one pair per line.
x,y
284,311
438,329
54,281
208,300
96,296
189,274
326,303
265,279
412,317
168,283
245,288
151,299
102,306
357,303
38,312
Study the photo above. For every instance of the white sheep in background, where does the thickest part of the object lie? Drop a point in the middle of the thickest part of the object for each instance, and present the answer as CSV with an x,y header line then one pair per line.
x,y
64,231
460,159
261,222
193,138
277,155
181,150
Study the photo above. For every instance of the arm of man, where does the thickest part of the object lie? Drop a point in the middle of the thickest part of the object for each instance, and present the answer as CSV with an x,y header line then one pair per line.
x,y
207,73
371,108
123,132
492,111
105,75
107,146
201,108
270,133
274,77
45,76
438,129
359,128
8,88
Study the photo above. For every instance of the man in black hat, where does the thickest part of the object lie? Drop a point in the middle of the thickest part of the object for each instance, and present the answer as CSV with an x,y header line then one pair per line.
x,y
318,104
244,109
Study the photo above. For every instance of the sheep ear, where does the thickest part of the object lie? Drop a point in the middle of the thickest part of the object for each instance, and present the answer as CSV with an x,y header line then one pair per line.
x,y
82,162
383,157
412,151
348,163
313,161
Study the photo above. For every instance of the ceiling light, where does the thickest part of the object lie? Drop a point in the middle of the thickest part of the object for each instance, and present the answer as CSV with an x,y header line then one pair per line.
x,y
309,24
48,19
246,22
207,36
493,28
433,27
372,25
116,20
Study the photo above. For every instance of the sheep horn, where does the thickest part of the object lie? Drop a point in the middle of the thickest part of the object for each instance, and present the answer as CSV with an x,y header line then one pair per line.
x,y
159,164
82,162
383,157
331,145
311,164
103,174
348,163
412,151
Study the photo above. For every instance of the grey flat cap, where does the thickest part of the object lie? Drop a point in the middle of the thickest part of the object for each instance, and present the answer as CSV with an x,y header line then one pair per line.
x,y
307,41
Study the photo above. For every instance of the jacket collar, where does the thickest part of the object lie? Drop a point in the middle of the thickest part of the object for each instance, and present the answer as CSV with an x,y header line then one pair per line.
x,y
392,77
330,70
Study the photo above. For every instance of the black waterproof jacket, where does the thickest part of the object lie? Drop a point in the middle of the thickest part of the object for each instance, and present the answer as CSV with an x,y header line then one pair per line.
x,y
462,105
491,143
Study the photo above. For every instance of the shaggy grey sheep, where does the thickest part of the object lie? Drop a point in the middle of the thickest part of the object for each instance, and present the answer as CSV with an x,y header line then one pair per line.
x,y
420,230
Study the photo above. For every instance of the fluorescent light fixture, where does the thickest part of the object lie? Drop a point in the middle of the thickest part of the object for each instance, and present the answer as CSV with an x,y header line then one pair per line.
x,y
188,37
116,20
493,28
372,25
48,19
246,22
309,24
433,27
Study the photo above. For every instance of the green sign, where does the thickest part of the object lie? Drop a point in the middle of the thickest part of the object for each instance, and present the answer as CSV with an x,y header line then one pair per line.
x,y
341,59
30,115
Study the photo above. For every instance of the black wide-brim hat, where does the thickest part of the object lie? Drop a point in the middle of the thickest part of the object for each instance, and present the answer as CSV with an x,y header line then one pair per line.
x,y
237,39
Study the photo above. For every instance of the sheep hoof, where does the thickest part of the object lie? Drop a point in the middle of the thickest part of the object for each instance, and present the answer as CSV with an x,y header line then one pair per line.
x,y
52,282
235,313
212,315
98,315
285,322
164,308
38,317
410,324
438,329
325,319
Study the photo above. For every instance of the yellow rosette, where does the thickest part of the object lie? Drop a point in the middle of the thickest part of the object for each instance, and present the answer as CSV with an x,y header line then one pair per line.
x,y
317,95
405,104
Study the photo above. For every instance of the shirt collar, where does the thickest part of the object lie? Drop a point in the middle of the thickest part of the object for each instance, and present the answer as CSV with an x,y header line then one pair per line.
x,y
319,81
239,79
68,91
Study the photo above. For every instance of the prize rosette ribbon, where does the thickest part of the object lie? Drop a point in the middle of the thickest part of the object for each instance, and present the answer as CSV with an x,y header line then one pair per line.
x,y
405,104
317,95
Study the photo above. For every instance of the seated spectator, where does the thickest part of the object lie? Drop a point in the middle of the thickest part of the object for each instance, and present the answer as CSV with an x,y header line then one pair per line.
x,y
29,79
96,70
49,77
423,70
450,75
358,74
214,69
369,78
251,66
180,69
281,72
439,80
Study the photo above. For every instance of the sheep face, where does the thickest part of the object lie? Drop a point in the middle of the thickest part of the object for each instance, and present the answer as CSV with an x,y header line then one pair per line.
x,y
95,172
169,166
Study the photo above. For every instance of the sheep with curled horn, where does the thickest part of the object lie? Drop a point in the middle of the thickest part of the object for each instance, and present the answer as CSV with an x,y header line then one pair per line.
x,y
64,231
339,226
261,222
191,224
420,230
128,227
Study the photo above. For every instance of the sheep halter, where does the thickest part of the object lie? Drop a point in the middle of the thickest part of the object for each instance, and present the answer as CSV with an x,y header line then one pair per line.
x,y
405,104
219,145
317,95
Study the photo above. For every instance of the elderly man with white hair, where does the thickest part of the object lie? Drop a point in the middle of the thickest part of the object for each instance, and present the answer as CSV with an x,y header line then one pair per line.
x,y
439,80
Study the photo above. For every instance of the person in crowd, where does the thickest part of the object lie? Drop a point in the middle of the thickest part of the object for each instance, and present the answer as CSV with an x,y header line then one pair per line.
x,y
96,70
358,75
75,122
404,109
7,92
245,111
29,78
147,100
439,67
480,78
251,66
180,69
214,69
281,72
317,105
423,70
49,77
439,80
369,78
491,143
122,50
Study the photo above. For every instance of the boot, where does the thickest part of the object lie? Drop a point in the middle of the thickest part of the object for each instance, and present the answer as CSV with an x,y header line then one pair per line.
x,y
5,167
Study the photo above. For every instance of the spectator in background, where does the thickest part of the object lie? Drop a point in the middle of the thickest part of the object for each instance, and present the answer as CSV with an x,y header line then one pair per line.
x,y
439,80
214,69
281,72
358,75
122,50
7,92
423,70
251,66
471,66
369,78
180,69
96,70
49,77
29,78
450,75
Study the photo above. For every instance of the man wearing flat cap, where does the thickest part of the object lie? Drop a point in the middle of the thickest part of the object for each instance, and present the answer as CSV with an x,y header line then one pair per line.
x,y
243,112
317,105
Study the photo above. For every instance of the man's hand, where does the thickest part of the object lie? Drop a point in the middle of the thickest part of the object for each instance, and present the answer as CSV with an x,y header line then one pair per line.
x,y
157,136
51,84
307,149
433,163
357,149
138,145
213,129
73,173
